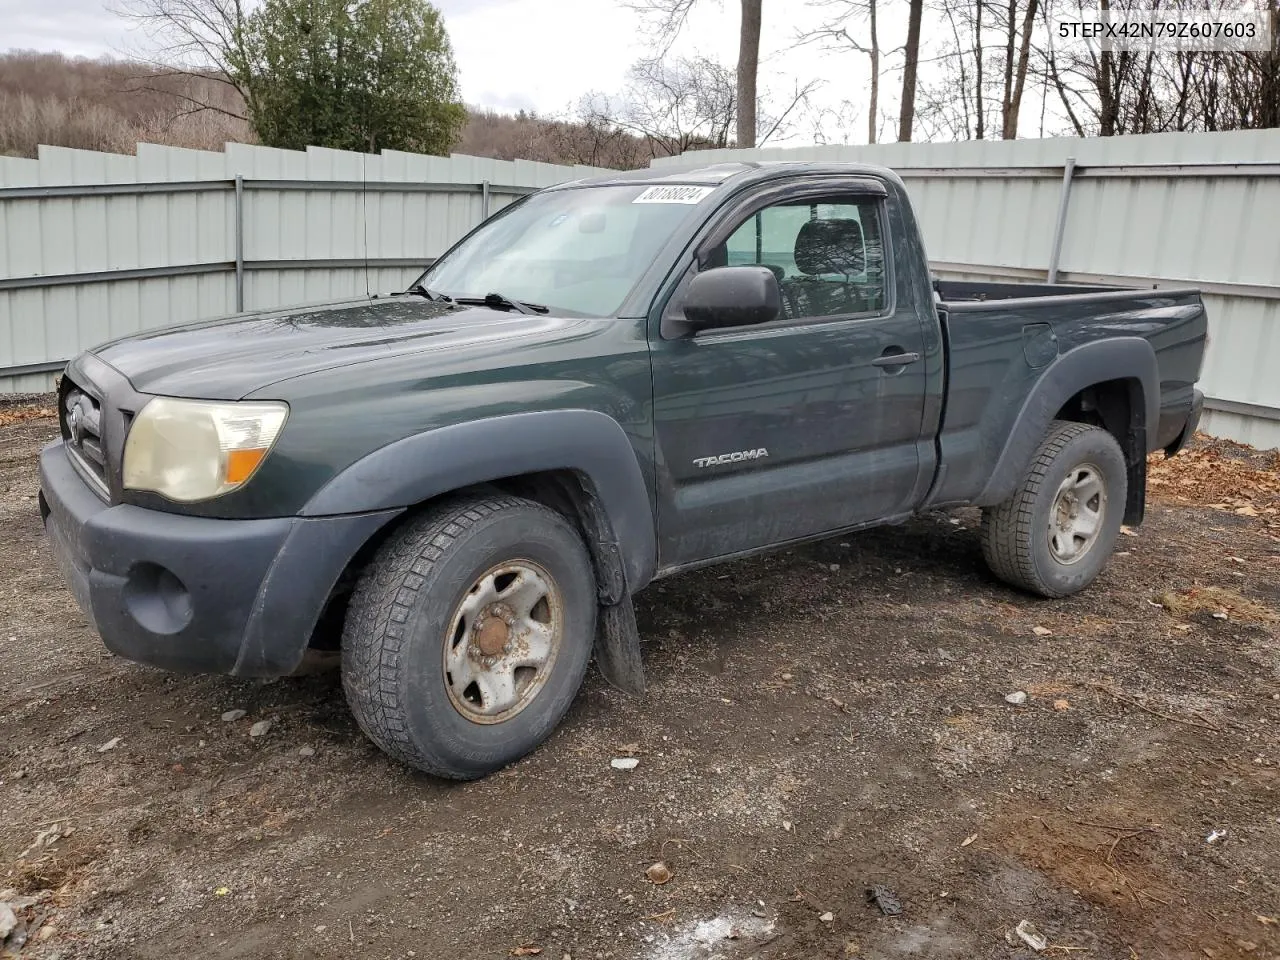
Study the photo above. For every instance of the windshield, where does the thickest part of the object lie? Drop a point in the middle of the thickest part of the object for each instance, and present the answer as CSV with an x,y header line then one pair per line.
x,y
579,250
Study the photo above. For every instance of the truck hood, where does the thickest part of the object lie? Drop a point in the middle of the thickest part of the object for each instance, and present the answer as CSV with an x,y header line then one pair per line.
x,y
230,358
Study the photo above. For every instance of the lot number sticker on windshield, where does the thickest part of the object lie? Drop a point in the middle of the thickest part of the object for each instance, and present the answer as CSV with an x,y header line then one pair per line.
x,y
673,194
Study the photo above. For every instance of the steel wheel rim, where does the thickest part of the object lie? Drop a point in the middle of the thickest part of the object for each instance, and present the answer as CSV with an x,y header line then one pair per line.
x,y
502,641
1078,511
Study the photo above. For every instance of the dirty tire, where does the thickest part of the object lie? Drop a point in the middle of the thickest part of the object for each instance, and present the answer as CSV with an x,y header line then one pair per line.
x,y
393,641
1016,533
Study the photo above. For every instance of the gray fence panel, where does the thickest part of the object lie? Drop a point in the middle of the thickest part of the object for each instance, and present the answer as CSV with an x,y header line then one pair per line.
x,y
95,246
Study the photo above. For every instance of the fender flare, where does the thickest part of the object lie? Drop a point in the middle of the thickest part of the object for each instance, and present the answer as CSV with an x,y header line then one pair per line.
x,y
417,468
1119,358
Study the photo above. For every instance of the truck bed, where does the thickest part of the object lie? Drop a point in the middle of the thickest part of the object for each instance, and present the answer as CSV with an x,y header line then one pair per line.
x,y
969,291
1001,338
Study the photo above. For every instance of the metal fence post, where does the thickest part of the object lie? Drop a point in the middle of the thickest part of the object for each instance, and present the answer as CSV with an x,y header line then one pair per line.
x,y
239,243
1060,228
484,201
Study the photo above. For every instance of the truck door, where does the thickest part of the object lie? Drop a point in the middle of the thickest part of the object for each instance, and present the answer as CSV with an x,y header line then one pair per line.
x,y
807,424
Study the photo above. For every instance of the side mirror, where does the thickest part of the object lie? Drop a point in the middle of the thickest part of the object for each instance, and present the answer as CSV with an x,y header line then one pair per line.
x,y
732,297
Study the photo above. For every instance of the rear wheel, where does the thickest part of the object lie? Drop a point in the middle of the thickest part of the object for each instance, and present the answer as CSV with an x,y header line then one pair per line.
x,y
1057,531
468,636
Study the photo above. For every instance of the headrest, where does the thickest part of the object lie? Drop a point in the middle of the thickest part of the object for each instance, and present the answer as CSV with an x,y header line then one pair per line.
x,y
717,256
830,246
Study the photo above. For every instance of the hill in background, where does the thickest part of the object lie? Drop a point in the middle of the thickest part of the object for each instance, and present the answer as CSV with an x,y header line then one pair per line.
x,y
111,105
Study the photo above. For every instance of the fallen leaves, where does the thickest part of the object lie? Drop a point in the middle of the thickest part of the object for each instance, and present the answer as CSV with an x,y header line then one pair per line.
x,y
1221,475
21,414
526,951
658,873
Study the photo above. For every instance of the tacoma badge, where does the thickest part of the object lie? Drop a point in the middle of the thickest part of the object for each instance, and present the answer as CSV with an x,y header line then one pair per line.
x,y
736,457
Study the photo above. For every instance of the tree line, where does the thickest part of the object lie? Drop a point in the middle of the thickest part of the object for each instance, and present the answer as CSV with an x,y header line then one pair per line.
x,y
996,55
968,70
370,75
111,105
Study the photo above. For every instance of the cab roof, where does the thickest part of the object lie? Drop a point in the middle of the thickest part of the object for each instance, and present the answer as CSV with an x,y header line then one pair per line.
x,y
733,173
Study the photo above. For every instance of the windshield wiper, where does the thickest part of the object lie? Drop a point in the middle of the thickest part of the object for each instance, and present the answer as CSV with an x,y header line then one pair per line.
x,y
497,301
419,290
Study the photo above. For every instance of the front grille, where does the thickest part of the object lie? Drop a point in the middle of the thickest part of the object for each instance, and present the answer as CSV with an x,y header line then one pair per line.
x,y
81,416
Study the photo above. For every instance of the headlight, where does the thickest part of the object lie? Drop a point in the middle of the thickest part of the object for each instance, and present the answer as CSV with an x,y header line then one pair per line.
x,y
196,449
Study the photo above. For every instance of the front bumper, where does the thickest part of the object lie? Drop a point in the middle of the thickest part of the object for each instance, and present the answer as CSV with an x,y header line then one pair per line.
x,y
194,594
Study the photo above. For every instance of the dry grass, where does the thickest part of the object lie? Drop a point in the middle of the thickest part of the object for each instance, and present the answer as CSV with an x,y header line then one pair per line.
x,y
1216,600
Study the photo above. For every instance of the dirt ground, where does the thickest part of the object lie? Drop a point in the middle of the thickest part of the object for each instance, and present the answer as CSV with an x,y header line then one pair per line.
x,y
819,723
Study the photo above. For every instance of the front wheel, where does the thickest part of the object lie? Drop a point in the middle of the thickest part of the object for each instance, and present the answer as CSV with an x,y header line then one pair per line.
x,y
1057,531
468,636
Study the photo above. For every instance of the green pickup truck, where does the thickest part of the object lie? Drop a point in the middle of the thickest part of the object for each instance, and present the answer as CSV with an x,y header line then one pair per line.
x,y
461,486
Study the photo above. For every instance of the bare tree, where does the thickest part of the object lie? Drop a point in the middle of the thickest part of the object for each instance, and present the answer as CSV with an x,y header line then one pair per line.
x,y
677,104
672,104
910,68
667,19
595,144
944,106
1250,81
981,76
748,70
1106,92
842,30
783,123
1015,66
198,38
979,110
1099,91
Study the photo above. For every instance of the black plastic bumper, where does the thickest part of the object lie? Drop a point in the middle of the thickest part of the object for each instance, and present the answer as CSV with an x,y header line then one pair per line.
x,y
194,594
1193,424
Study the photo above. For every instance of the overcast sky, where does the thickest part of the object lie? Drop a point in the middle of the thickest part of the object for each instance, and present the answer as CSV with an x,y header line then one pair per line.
x,y
532,54
544,54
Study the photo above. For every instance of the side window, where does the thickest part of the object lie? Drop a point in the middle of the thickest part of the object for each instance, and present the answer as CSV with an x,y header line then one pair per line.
x,y
827,254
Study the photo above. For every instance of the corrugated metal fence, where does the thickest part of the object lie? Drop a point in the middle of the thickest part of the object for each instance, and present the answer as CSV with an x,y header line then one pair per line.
x,y
1163,209
95,246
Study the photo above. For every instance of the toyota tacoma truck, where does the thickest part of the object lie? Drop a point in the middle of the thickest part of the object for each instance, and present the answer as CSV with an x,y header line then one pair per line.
x,y
460,487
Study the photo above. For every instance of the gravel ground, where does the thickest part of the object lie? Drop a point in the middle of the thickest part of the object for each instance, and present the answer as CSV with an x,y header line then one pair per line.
x,y
819,723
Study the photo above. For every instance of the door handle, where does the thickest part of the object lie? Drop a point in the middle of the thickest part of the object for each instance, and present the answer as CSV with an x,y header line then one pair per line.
x,y
895,359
